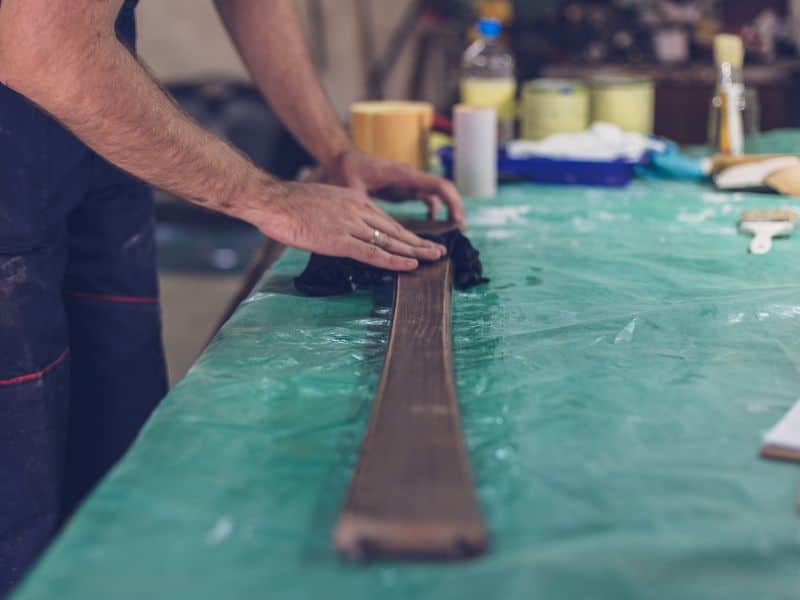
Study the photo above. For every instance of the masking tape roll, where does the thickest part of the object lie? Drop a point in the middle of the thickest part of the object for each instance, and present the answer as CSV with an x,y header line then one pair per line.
x,y
397,131
475,151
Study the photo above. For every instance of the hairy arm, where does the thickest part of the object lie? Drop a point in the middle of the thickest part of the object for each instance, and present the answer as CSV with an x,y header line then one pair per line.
x,y
64,56
268,36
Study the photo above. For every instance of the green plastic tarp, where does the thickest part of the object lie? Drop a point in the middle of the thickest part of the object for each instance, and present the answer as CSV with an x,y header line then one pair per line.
x,y
615,380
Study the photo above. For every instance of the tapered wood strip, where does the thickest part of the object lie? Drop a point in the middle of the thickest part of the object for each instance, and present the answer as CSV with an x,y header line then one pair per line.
x,y
412,493
776,452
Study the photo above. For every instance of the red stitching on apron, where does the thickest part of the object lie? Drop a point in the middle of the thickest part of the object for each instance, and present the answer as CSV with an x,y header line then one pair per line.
x,y
37,374
112,298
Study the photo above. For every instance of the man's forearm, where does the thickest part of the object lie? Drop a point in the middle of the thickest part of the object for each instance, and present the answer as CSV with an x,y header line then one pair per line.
x,y
267,34
64,56
89,81
269,38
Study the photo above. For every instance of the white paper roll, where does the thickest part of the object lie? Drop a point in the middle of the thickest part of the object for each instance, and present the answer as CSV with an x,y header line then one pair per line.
x,y
475,148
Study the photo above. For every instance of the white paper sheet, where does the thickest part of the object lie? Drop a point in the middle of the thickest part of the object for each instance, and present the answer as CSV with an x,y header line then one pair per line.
x,y
601,142
787,432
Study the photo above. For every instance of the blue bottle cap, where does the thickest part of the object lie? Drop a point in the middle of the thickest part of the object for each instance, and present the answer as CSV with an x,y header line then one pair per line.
x,y
489,28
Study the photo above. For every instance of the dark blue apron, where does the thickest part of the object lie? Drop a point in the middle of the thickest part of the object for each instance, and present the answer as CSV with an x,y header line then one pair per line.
x,y
81,361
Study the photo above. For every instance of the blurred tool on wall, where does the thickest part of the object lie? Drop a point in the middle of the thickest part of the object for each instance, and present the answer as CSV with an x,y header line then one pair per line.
x,y
434,29
488,78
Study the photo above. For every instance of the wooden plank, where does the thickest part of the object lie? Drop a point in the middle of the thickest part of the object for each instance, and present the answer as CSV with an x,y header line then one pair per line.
x,y
412,493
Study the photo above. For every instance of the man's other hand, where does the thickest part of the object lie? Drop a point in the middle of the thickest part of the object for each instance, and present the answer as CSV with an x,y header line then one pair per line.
x,y
393,182
336,222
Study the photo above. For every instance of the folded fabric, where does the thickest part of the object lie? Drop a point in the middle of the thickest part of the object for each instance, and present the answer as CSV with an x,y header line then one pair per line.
x,y
329,276
601,142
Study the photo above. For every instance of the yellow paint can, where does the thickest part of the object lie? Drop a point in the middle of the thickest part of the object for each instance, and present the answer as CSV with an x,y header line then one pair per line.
x,y
551,106
628,102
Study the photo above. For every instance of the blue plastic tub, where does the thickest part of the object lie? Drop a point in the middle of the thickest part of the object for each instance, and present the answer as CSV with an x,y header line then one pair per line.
x,y
617,173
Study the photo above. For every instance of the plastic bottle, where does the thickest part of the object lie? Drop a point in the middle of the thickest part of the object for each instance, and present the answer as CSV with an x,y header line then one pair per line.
x,y
488,78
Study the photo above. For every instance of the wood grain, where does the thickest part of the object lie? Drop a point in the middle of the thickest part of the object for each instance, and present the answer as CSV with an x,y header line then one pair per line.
x,y
412,493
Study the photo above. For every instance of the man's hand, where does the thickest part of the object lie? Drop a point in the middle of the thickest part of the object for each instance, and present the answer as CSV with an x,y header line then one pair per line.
x,y
278,60
80,73
395,183
336,222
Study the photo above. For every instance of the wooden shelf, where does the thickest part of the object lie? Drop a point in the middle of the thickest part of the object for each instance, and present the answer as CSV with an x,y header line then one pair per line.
x,y
683,93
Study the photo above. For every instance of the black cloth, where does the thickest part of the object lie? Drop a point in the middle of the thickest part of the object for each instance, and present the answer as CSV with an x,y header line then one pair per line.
x,y
328,276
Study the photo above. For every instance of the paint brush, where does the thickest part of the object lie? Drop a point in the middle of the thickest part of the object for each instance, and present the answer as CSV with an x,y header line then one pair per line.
x,y
764,225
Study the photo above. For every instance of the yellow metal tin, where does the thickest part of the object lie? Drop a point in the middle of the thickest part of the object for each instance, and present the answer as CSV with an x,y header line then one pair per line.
x,y
551,106
628,102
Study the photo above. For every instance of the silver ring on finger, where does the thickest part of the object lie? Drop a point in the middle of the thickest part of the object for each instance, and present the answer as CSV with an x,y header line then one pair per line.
x,y
376,236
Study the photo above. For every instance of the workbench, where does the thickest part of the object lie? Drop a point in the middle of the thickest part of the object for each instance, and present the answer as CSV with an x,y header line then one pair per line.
x,y
615,380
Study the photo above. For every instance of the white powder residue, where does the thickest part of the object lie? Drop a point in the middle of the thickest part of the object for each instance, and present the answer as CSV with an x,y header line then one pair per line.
x,y
736,319
695,218
583,225
494,216
626,334
220,532
716,197
501,234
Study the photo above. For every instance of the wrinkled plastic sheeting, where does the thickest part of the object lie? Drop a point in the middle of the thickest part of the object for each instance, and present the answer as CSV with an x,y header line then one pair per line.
x,y
615,380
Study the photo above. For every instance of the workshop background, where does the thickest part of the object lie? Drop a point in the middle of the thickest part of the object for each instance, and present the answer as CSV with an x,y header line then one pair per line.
x,y
615,383
411,49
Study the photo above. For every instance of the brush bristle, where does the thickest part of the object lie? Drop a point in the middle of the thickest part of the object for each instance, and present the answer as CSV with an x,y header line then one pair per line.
x,y
775,214
729,49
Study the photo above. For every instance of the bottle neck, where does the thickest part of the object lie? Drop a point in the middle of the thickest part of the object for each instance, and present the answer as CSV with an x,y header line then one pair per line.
x,y
729,77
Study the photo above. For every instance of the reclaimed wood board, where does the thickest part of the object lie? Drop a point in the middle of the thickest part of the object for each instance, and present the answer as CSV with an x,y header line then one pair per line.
x,y
412,494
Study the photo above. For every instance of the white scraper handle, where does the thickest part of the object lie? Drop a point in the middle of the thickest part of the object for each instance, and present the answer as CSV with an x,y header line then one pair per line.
x,y
761,243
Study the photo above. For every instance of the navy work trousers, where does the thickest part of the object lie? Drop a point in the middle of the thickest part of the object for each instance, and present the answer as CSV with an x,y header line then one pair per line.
x,y
81,359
